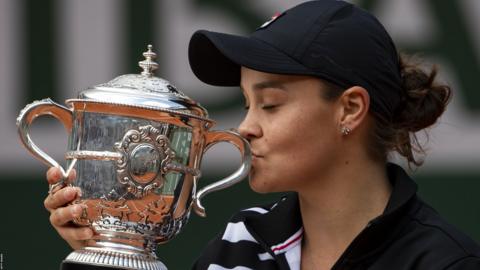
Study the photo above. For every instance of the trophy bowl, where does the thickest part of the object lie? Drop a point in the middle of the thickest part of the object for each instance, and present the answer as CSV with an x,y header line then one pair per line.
x,y
135,145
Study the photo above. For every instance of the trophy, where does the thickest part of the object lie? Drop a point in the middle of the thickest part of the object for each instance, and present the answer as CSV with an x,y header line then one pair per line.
x,y
135,144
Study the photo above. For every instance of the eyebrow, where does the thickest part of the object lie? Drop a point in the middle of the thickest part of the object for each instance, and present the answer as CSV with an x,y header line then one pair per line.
x,y
267,84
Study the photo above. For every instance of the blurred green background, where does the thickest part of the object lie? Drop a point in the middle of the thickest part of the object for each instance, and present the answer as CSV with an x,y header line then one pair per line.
x,y
43,44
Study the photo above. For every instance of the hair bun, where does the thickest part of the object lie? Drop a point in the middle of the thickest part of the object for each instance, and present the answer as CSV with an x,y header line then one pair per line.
x,y
425,100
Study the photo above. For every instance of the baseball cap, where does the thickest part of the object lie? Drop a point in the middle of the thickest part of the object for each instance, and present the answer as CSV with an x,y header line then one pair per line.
x,y
332,40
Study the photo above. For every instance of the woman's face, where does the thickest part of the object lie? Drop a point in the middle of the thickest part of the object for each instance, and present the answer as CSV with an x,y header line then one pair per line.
x,y
294,133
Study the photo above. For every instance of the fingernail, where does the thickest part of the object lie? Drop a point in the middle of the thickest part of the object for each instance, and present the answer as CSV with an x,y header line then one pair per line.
x,y
79,191
89,233
76,210
69,193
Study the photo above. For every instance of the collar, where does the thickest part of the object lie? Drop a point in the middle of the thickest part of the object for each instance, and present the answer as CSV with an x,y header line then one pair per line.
x,y
278,226
283,221
381,231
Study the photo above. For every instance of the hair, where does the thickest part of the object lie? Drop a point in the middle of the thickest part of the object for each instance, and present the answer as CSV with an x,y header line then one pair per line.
x,y
423,102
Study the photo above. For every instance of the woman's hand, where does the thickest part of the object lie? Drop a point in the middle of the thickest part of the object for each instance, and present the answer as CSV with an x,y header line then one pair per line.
x,y
62,214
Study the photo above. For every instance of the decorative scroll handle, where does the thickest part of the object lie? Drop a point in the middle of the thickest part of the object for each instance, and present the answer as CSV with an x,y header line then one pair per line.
x,y
29,114
243,146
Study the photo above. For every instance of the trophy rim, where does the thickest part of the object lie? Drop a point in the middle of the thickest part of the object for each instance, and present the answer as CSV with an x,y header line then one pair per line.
x,y
147,107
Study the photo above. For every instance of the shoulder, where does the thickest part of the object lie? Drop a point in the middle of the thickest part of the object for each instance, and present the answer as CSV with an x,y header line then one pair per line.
x,y
428,220
465,263
430,242
235,239
447,242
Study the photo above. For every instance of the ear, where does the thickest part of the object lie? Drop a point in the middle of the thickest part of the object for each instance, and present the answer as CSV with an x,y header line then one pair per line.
x,y
354,105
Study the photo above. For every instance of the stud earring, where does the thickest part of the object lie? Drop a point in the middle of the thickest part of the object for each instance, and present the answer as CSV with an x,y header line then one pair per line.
x,y
346,130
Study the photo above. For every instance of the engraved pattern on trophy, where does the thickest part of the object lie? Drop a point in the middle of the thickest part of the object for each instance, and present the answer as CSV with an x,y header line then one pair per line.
x,y
121,188
145,152
130,82
136,145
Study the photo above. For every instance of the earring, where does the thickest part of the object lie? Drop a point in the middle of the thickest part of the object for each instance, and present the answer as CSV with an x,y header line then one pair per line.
x,y
346,130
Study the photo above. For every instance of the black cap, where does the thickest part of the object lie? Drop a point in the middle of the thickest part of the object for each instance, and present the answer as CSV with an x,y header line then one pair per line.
x,y
332,40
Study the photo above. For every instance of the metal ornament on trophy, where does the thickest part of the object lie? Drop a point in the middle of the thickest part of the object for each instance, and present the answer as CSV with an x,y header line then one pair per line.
x,y
135,144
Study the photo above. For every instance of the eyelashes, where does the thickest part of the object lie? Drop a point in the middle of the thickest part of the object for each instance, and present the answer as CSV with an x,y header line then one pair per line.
x,y
268,106
263,107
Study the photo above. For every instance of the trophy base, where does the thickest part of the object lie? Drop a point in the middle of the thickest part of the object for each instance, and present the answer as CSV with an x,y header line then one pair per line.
x,y
81,266
100,259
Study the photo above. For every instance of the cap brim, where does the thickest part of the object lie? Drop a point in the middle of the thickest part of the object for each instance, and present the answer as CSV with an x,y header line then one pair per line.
x,y
216,58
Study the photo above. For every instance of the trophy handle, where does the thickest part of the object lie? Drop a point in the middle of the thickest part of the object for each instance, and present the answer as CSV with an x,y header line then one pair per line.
x,y
29,114
243,146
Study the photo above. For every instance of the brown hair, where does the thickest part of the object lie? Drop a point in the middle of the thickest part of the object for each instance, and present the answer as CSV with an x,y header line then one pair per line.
x,y
423,102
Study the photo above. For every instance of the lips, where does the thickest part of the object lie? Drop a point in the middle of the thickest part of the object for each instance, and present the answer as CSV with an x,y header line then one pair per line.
x,y
256,155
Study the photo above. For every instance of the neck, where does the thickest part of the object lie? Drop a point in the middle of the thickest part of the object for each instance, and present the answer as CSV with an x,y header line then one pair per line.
x,y
337,207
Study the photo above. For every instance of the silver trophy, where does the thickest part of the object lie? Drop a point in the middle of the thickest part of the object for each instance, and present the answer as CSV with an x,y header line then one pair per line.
x,y
135,144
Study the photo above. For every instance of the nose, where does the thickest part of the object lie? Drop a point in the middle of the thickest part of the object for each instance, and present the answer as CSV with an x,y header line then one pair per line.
x,y
250,128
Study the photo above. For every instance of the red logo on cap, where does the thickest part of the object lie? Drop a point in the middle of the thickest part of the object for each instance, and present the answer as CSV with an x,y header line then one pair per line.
x,y
274,17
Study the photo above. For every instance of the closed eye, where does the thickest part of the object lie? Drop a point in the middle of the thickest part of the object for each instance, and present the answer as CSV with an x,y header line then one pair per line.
x,y
269,106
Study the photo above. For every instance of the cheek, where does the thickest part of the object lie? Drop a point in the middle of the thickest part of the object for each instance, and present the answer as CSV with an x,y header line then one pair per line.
x,y
314,144
299,146
308,131
304,147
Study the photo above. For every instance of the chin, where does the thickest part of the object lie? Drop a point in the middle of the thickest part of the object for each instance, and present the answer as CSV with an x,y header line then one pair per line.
x,y
261,186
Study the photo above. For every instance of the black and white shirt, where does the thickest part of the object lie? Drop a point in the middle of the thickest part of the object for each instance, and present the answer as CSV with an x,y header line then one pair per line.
x,y
408,235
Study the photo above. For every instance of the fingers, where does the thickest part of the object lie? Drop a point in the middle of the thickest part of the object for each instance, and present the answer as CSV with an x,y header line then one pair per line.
x,y
61,197
63,215
75,236
72,175
61,219
75,233
55,174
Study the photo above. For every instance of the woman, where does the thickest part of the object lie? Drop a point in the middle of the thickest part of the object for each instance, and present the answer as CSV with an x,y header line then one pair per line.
x,y
327,98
